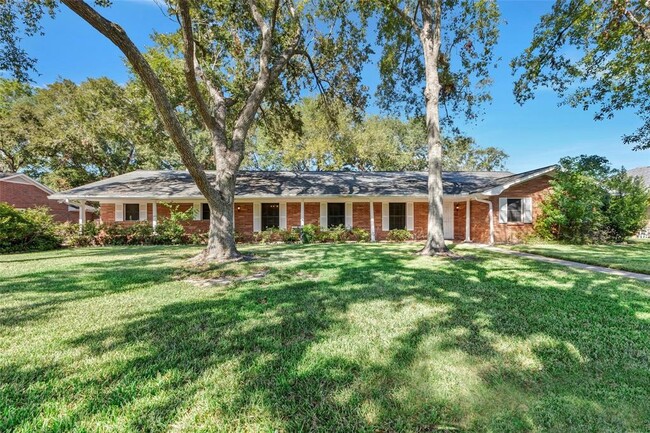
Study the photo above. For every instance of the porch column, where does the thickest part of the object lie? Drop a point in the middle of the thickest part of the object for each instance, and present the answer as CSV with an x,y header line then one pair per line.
x,y
467,225
154,216
372,221
82,216
302,213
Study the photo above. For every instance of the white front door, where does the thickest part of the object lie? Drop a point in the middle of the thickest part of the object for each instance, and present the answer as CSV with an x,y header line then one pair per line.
x,y
448,219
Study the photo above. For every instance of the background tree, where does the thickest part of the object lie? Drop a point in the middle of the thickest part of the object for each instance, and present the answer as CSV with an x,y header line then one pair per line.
x,y
444,47
591,202
334,138
17,121
238,57
593,54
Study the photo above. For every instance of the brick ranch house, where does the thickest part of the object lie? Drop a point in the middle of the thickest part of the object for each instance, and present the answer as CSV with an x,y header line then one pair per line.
x,y
23,192
482,207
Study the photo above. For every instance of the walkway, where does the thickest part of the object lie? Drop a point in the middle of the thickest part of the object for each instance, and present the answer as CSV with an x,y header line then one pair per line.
x,y
570,264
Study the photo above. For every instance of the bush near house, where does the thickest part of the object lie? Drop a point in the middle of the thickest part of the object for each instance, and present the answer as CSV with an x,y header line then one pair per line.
x,y
592,203
27,230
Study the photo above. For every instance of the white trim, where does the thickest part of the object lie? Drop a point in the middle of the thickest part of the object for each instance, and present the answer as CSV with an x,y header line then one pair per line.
x,y
82,217
302,213
154,215
410,217
29,180
498,190
197,208
257,217
468,228
119,212
142,212
323,215
348,214
372,221
503,210
385,221
283,216
527,210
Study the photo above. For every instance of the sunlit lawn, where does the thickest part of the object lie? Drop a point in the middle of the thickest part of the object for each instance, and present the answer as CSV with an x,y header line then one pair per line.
x,y
333,338
633,256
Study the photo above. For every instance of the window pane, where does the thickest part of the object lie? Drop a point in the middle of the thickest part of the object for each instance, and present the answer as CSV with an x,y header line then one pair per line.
x,y
514,210
131,212
335,214
396,216
205,211
270,215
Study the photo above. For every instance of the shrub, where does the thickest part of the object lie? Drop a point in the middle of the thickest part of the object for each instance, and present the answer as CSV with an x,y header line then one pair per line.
x,y
310,233
170,230
360,235
590,203
334,234
270,235
290,236
28,230
399,235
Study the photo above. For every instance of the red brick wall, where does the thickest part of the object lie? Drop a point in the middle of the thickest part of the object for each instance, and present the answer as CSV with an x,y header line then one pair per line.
x,y
293,215
24,196
312,213
244,217
361,215
459,220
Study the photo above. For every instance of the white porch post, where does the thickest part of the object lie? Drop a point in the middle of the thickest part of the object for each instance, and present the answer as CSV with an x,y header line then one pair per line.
x,y
154,216
82,216
302,213
372,221
467,225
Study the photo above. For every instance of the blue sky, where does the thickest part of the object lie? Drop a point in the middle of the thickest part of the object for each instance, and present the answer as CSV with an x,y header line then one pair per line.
x,y
537,134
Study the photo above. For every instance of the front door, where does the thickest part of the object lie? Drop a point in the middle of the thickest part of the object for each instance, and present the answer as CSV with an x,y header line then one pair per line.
x,y
448,219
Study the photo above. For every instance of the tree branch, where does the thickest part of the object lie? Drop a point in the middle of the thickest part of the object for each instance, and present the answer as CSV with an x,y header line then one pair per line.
x,y
190,69
643,28
151,81
405,16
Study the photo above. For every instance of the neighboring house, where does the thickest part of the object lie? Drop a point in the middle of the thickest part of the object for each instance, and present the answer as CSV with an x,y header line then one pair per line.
x,y
643,173
481,207
23,192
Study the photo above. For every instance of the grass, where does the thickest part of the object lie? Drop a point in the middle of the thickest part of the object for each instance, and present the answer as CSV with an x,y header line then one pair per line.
x,y
633,256
334,338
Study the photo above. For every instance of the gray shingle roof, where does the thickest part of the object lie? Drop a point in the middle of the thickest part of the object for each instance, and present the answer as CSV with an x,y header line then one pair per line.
x,y
170,184
643,173
4,174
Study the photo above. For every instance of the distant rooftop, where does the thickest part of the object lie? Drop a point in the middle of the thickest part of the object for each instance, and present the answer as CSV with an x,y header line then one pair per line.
x,y
642,172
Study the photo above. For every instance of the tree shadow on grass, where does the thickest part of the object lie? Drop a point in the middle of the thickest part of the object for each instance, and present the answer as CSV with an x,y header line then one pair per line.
x,y
378,340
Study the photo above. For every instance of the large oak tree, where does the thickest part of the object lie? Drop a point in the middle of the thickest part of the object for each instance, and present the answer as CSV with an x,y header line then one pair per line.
x,y
239,58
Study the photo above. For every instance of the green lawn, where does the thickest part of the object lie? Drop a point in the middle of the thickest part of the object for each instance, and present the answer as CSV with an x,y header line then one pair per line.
x,y
634,256
333,338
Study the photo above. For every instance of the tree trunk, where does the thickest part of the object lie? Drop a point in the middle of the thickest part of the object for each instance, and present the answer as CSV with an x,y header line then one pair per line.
x,y
430,38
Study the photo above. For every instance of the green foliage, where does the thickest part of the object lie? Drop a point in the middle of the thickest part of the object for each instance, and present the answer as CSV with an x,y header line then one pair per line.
x,y
27,230
332,138
590,203
399,235
310,233
593,54
170,230
468,33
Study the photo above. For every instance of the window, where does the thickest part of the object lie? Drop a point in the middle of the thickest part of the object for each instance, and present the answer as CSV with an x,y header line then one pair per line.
x,y
270,215
132,212
335,214
396,216
205,211
514,210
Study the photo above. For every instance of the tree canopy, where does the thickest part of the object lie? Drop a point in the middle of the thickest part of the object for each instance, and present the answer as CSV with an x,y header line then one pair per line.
x,y
596,56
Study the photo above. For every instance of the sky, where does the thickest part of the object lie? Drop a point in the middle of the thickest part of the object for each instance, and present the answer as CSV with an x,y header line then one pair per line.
x,y
534,135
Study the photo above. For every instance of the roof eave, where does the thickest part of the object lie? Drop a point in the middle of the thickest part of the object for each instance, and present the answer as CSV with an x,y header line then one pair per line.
x,y
498,190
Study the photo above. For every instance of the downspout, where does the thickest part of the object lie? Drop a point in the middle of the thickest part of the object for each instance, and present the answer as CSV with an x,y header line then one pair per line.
x,y
491,217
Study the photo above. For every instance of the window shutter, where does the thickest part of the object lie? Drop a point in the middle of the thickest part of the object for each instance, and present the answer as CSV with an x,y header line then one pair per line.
x,y
527,204
503,210
409,216
257,217
283,216
119,212
143,211
384,217
348,215
323,215
197,211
